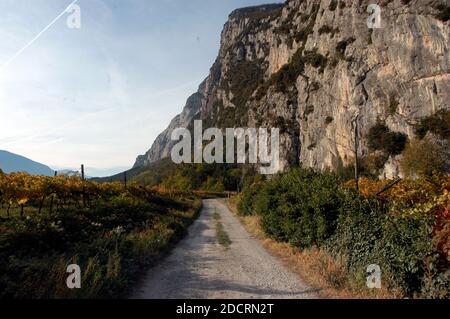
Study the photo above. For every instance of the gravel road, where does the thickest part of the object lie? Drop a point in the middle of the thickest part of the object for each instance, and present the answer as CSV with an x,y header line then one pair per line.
x,y
199,267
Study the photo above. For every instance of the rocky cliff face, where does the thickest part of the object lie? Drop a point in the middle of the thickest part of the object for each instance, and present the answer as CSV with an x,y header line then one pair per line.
x,y
163,144
309,67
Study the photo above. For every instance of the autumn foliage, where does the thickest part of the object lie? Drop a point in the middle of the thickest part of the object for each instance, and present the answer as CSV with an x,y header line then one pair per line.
x,y
111,231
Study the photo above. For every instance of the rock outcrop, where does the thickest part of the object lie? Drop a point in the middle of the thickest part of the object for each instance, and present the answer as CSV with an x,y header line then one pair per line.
x,y
310,67
163,144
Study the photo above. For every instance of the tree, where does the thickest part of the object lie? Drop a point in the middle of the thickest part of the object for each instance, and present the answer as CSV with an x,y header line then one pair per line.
x,y
423,158
438,124
381,138
177,182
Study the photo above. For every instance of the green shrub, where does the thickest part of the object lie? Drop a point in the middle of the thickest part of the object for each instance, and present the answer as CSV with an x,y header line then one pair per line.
x,y
400,243
359,228
333,5
443,12
438,124
405,250
393,105
246,202
342,46
251,187
286,77
423,158
394,143
371,164
327,29
201,177
316,59
299,207
247,76
283,29
381,138
301,36
177,182
406,239
376,135
398,237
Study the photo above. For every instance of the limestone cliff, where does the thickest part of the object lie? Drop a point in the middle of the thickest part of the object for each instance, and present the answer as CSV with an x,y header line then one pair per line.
x,y
309,67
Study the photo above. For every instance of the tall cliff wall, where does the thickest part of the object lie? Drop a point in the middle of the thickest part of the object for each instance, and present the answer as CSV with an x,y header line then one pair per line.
x,y
309,67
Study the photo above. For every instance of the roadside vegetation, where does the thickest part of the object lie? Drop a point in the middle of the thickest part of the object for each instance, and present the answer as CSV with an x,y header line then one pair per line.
x,y
191,177
113,233
339,232
222,235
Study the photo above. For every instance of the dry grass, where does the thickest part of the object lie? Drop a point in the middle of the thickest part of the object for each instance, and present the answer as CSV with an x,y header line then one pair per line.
x,y
315,266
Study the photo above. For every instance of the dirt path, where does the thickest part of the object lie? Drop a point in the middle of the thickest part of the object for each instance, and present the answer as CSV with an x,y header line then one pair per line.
x,y
199,267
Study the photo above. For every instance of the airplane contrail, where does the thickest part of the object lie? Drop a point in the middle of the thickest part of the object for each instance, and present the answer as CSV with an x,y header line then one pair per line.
x,y
3,66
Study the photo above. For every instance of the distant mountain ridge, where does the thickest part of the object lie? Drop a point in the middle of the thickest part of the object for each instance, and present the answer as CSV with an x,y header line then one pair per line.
x,y
10,162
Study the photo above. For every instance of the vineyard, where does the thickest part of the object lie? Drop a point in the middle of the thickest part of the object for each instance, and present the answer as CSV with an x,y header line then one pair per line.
x,y
38,193
111,231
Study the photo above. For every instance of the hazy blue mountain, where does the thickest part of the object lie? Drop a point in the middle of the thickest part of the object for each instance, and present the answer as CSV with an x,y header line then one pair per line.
x,y
10,162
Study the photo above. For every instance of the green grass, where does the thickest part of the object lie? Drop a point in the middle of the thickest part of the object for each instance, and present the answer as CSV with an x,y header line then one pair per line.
x,y
221,234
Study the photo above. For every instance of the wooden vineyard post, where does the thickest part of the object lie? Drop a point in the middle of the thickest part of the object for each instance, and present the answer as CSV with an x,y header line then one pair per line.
x,y
82,178
356,153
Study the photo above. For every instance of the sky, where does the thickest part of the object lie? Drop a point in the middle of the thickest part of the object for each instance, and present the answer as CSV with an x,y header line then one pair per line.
x,y
100,94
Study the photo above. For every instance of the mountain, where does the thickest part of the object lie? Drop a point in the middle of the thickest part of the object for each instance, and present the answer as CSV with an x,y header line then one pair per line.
x,y
10,162
312,67
69,172
163,144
